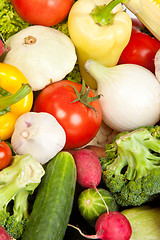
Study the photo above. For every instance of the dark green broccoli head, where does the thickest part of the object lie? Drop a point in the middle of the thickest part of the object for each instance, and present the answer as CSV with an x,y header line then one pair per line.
x,y
114,183
15,228
4,215
131,169
151,183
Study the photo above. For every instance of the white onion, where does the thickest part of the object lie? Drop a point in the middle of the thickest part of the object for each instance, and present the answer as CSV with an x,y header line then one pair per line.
x,y
131,95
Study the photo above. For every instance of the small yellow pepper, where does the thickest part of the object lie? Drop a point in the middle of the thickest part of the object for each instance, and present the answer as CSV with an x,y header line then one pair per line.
x,y
16,98
100,30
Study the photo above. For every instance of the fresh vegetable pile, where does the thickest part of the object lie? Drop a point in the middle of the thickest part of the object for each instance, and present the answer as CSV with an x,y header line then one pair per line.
x,y
79,119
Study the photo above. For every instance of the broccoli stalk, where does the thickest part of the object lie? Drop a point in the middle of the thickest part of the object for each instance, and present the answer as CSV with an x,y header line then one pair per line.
x,y
20,208
17,182
131,169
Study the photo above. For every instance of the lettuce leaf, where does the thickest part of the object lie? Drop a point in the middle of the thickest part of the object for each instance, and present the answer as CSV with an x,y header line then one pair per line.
x,y
10,22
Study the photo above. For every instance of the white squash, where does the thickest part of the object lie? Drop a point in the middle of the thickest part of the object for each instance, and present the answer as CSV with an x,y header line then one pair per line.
x,y
43,54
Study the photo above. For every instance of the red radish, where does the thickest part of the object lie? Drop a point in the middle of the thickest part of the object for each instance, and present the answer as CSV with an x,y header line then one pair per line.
x,y
4,235
3,48
89,171
88,166
110,226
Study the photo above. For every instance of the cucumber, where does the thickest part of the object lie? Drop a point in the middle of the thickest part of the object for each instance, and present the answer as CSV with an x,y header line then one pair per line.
x,y
91,205
54,200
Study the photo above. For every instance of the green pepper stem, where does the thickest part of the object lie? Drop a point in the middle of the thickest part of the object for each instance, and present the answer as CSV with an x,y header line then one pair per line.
x,y
6,101
102,14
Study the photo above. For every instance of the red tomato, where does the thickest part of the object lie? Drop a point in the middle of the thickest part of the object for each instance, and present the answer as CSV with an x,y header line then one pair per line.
x,y
140,50
5,155
80,123
42,12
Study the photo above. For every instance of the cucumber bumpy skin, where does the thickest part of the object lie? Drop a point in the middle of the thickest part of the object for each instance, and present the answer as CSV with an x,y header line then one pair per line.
x,y
54,200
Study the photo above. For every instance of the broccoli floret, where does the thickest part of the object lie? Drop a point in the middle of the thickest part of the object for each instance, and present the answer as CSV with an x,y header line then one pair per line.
x,y
115,184
4,215
14,228
131,168
17,182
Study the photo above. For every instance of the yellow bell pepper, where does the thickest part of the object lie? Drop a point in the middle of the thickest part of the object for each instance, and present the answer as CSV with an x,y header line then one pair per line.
x,y
100,30
148,12
16,98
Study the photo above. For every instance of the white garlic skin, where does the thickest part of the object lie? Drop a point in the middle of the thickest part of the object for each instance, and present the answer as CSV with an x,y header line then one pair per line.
x,y
38,134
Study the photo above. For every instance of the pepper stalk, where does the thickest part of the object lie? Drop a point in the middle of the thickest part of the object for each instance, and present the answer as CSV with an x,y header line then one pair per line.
x,y
14,100
103,15
148,12
7,100
100,30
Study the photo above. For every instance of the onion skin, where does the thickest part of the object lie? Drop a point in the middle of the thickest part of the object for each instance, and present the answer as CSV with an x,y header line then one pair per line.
x,y
130,95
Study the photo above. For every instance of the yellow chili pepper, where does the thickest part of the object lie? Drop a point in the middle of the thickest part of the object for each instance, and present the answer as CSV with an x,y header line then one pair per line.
x,y
16,98
148,12
100,30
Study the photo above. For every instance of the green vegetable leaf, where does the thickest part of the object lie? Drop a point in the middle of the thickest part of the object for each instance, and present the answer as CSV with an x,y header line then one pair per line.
x,y
10,22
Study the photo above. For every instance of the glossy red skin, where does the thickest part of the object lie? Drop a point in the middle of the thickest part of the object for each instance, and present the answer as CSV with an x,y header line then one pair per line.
x,y
80,123
140,50
4,235
113,226
1,48
5,155
42,12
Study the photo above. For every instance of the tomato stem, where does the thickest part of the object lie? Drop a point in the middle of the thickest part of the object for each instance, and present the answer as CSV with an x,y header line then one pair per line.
x,y
83,96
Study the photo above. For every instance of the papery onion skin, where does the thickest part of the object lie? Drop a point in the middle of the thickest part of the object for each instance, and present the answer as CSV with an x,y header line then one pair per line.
x,y
38,134
130,95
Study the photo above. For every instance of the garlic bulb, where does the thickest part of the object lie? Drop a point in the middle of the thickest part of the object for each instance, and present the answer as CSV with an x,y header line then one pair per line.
x,y
38,134
130,95
43,54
